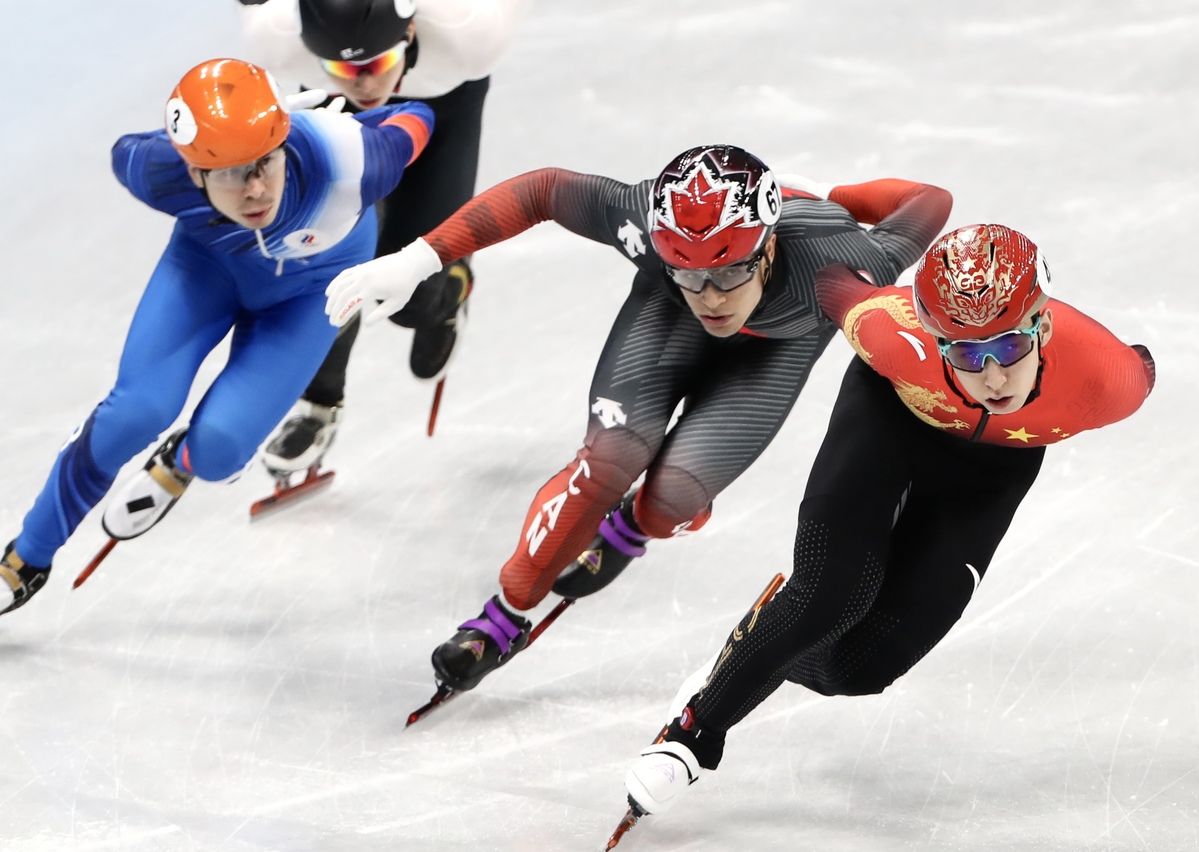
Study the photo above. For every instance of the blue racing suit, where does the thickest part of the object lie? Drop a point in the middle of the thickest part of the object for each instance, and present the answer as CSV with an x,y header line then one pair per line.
x,y
267,286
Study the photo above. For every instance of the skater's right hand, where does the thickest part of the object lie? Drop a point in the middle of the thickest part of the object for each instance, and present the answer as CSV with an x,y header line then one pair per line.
x,y
382,286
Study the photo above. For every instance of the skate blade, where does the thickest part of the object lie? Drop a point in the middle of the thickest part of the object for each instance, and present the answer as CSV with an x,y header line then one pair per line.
x,y
443,695
630,819
432,425
550,618
287,495
96,560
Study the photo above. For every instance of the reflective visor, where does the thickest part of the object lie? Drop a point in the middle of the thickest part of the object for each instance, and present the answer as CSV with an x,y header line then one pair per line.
x,y
1004,349
374,66
723,278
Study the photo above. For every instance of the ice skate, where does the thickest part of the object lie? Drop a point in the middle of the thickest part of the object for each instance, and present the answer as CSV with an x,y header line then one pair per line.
x,y
664,771
618,543
480,646
433,344
452,653
299,447
21,580
302,440
148,495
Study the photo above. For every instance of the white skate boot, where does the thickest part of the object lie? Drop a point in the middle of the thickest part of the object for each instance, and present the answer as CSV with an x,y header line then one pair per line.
x,y
302,440
148,495
660,776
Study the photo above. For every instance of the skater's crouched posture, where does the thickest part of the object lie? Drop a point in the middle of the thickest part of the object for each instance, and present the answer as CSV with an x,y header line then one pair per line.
x,y
935,438
722,314
269,206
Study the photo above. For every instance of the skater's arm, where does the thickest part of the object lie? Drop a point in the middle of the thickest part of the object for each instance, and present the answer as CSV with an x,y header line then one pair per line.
x,y
909,215
577,202
148,166
880,324
392,138
1112,378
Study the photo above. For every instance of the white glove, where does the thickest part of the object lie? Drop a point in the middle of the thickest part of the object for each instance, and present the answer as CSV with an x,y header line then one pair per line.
x,y
803,184
307,99
335,106
390,280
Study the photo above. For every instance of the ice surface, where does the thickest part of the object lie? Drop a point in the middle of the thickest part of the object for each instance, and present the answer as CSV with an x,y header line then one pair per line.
x,y
222,686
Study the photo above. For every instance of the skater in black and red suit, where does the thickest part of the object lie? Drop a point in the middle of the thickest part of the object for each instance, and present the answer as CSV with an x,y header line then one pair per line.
x,y
722,313
935,439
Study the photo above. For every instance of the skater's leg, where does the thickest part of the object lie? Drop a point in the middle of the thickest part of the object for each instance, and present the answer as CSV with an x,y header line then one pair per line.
x,y
652,356
187,308
274,353
727,424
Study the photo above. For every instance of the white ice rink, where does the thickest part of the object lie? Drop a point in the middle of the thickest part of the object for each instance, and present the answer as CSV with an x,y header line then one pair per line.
x,y
222,686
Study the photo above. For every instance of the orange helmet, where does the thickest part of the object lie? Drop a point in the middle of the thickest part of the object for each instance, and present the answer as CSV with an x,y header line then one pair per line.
x,y
226,112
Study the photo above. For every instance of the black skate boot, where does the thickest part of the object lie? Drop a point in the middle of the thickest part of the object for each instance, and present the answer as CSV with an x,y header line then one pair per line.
x,y
618,543
149,494
302,440
433,342
24,581
480,646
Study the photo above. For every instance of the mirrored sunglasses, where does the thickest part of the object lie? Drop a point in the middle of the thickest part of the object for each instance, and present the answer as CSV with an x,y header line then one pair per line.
x,y
1004,349
374,66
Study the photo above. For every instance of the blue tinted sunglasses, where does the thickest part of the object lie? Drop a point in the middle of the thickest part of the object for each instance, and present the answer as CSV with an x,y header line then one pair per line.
x,y
1004,349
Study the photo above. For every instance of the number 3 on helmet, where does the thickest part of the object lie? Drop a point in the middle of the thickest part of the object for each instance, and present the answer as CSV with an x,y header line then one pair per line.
x,y
226,112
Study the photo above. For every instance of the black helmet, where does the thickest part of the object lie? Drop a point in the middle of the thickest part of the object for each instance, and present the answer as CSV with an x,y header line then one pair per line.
x,y
350,30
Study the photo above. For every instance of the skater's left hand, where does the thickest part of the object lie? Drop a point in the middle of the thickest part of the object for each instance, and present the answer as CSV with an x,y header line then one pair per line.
x,y
306,99
383,285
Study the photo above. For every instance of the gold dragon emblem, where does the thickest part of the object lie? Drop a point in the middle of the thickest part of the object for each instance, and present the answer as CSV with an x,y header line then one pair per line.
x,y
921,401
895,306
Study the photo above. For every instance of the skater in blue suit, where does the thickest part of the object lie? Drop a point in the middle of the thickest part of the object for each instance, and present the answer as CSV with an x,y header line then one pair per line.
x,y
269,207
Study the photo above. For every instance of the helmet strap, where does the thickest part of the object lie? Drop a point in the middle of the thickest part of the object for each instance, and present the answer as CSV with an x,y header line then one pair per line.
x,y
410,55
767,266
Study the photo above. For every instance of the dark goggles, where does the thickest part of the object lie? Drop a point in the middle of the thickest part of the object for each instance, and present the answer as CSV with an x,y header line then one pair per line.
x,y
1005,349
723,278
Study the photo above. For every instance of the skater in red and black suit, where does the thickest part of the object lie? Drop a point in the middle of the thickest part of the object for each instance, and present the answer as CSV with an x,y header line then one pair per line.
x,y
722,313
937,434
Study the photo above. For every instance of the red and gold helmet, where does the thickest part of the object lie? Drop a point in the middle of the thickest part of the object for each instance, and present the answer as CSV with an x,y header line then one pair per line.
x,y
226,112
712,206
978,281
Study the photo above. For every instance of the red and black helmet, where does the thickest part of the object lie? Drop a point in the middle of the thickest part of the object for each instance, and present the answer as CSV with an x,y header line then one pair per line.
x,y
712,206
979,281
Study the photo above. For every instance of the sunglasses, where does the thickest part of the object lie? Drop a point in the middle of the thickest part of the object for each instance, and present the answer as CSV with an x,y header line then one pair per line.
x,y
723,278
235,177
1005,349
374,66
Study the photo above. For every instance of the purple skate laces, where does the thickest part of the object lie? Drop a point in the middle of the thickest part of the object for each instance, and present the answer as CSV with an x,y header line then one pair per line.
x,y
497,625
621,535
